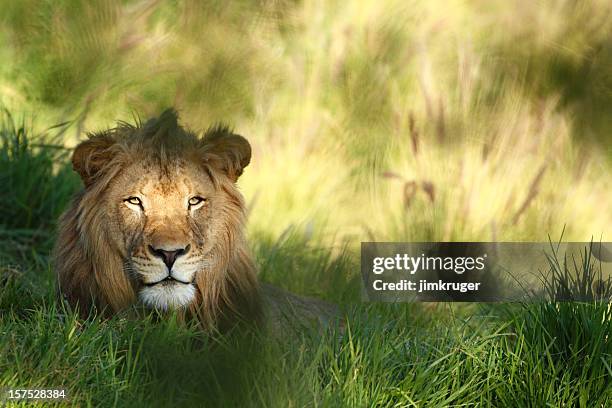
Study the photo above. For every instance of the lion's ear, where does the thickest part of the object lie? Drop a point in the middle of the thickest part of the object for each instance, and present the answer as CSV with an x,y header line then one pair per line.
x,y
227,151
90,156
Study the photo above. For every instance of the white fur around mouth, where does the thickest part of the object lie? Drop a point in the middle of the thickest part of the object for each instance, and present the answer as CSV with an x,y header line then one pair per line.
x,y
167,296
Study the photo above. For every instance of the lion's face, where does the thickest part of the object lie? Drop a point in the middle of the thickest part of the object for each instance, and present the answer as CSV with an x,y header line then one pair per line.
x,y
160,219
165,221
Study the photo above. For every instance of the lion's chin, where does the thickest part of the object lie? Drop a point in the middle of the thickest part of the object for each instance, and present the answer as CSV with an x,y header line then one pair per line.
x,y
167,296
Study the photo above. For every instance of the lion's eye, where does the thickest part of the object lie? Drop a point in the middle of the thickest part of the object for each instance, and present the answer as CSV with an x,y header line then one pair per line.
x,y
134,201
193,201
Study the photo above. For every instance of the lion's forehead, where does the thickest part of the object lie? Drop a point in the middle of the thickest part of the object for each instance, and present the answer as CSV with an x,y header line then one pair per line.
x,y
166,190
176,179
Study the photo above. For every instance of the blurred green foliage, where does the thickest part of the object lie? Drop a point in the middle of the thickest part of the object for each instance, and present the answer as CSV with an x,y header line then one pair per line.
x,y
334,94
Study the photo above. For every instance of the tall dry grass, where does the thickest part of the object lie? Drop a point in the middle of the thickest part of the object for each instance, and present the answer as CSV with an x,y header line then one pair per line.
x,y
488,119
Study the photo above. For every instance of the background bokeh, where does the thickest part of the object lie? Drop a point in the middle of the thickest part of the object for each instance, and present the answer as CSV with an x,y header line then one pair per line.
x,y
386,120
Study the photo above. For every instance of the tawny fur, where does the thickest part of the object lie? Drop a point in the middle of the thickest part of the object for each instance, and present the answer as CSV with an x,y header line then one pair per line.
x,y
94,255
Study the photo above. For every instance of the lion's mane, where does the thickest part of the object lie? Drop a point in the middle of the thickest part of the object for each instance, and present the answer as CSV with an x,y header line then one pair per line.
x,y
92,273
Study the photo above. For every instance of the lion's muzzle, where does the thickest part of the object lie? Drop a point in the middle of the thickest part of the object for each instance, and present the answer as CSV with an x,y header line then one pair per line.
x,y
168,256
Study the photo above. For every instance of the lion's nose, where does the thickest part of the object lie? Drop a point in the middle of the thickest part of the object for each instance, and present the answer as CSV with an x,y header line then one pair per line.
x,y
169,257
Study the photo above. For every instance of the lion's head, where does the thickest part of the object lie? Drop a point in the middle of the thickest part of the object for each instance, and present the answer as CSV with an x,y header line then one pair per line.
x,y
159,222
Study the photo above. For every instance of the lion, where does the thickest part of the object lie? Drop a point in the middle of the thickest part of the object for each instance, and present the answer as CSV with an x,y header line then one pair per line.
x,y
160,224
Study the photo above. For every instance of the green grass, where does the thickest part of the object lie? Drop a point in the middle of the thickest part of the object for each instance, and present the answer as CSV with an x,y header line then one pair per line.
x,y
533,354
369,120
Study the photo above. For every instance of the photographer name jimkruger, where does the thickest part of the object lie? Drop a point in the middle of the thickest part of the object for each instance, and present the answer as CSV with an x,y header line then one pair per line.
x,y
407,264
475,271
